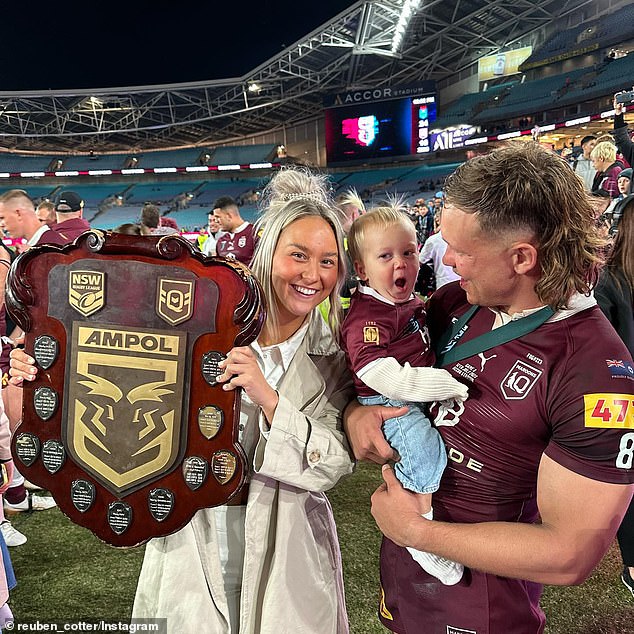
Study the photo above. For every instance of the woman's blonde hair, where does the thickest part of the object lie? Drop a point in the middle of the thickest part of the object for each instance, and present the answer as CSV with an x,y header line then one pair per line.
x,y
525,187
293,194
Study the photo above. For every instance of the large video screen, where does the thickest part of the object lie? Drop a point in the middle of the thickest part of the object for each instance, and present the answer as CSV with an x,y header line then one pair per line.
x,y
368,131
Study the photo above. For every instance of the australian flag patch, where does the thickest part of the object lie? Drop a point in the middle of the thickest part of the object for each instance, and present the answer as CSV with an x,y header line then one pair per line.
x,y
618,367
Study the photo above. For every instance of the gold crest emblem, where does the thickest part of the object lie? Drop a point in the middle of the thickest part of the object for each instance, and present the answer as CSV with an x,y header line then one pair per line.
x,y
87,291
125,403
371,335
174,300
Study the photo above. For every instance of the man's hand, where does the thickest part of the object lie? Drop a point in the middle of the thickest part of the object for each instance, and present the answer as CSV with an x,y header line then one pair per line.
x,y
618,107
364,428
397,511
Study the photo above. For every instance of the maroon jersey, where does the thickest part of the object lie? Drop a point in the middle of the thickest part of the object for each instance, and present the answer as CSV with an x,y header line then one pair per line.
x,y
70,229
566,390
239,245
376,328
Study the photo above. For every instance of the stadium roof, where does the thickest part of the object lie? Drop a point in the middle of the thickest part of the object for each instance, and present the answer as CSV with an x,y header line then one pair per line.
x,y
353,51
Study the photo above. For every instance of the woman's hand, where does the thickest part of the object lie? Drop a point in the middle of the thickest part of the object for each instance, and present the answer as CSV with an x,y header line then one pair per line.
x,y
22,367
241,369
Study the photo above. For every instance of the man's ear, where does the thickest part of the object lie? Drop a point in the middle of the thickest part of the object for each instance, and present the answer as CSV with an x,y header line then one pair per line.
x,y
525,257
360,270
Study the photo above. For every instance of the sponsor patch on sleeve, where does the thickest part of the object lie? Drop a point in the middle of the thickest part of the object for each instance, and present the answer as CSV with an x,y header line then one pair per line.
x,y
609,411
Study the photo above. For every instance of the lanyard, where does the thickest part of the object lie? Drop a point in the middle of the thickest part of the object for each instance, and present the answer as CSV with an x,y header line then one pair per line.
x,y
447,352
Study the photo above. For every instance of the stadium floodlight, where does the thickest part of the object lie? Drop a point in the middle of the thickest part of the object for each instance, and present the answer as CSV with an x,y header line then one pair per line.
x,y
410,7
253,87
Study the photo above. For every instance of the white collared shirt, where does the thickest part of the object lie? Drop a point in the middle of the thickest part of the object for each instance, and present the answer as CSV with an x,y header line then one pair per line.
x,y
577,303
273,361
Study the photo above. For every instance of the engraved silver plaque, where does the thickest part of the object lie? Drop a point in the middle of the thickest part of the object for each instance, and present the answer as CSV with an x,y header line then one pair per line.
x,y
45,402
53,455
195,470
160,503
45,351
119,516
82,493
209,366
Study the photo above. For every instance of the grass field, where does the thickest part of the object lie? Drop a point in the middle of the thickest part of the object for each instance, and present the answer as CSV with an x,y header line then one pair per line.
x,y
65,573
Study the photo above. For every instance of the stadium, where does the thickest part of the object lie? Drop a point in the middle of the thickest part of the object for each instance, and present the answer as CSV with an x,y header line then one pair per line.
x,y
387,97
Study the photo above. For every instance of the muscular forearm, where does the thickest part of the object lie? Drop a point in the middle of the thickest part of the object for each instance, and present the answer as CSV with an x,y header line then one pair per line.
x,y
533,552
580,517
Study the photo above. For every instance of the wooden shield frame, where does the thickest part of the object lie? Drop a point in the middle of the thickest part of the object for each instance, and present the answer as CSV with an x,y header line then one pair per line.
x,y
125,423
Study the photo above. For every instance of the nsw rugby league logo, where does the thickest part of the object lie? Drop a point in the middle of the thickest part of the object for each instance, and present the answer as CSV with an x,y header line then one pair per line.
x,y
87,291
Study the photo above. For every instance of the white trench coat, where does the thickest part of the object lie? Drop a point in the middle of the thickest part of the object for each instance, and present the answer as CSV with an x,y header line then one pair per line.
x,y
292,576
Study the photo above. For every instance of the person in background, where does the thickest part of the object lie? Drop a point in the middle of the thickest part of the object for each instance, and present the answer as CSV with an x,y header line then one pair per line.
x,y
432,255
239,237
151,220
582,165
70,224
614,293
621,133
423,221
351,207
19,220
7,576
168,226
131,229
615,210
605,181
208,246
45,213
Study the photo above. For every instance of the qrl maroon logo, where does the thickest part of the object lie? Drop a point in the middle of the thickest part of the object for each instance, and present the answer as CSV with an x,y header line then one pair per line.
x,y
519,380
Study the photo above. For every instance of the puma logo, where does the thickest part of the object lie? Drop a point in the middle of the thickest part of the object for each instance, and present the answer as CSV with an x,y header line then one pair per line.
x,y
483,360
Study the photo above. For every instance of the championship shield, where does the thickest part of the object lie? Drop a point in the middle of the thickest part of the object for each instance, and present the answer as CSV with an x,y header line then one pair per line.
x,y
125,423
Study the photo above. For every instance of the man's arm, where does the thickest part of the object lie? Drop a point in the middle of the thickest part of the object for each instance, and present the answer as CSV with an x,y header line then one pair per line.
x,y
621,134
580,517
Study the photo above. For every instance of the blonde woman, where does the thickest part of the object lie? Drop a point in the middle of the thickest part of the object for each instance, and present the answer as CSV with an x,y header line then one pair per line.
x,y
272,564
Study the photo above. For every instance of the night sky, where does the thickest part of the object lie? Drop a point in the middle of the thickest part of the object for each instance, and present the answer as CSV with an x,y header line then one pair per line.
x,y
96,44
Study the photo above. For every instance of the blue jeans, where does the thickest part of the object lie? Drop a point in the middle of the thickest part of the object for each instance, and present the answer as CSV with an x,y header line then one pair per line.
x,y
422,451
